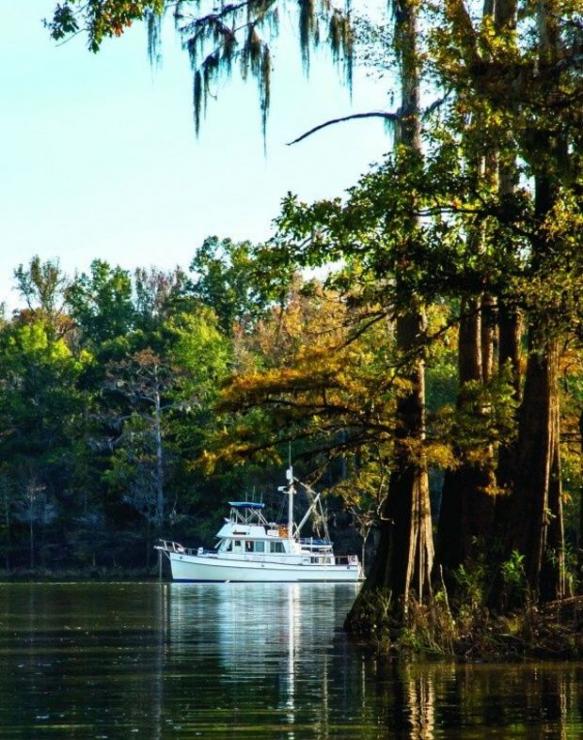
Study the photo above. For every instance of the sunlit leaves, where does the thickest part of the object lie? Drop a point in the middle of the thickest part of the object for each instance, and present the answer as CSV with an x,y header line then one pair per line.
x,y
316,378
100,19
231,278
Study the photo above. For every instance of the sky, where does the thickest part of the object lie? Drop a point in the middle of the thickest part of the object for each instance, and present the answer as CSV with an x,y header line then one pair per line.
x,y
99,157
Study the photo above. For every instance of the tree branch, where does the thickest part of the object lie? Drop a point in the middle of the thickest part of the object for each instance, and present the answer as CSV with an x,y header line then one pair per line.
x,y
371,114
436,104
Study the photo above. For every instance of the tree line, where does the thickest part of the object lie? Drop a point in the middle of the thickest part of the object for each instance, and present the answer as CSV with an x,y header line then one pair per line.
x,y
106,383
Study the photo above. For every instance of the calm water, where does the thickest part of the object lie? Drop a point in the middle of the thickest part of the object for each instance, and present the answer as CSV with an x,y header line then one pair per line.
x,y
252,661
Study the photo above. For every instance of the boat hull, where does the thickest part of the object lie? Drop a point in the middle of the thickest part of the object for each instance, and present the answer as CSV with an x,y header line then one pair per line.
x,y
200,568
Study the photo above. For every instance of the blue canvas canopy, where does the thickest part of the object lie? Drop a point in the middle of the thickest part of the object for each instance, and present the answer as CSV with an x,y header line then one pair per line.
x,y
246,505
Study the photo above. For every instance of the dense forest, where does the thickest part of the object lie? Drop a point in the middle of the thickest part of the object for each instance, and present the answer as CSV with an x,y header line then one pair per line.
x,y
434,367
108,385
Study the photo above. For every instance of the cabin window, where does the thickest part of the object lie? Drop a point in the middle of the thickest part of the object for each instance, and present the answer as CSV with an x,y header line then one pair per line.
x,y
248,546
260,547
276,546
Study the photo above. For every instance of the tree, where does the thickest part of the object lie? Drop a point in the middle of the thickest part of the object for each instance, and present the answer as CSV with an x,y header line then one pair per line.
x,y
42,421
157,295
227,278
42,285
542,541
467,509
405,557
33,508
363,490
101,303
155,398
144,380
538,109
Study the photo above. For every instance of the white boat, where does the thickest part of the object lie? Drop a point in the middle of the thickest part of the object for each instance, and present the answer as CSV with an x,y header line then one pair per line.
x,y
250,548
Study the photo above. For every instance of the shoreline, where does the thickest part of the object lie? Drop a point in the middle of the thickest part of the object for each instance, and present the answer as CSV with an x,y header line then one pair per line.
x,y
88,575
553,631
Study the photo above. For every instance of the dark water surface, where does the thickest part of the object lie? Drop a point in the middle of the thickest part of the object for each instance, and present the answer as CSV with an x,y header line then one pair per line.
x,y
97,660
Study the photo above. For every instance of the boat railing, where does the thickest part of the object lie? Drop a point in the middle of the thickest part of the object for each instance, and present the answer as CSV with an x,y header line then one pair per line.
x,y
169,546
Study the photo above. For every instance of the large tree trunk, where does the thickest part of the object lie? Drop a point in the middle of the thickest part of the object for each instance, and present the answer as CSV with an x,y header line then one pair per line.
x,y
538,515
404,557
467,503
537,522
453,541
466,512
405,554
510,327
509,359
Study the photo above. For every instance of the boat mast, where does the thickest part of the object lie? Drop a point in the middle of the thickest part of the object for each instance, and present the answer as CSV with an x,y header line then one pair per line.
x,y
290,490
290,504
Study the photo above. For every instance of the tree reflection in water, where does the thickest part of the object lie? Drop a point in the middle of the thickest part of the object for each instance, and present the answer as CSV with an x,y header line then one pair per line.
x,y
256,661
296,659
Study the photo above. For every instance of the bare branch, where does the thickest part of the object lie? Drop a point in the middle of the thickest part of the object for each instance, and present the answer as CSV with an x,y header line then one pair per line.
x,y
371,114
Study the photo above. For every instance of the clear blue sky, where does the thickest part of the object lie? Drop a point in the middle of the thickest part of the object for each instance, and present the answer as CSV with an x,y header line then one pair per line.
x,y
98,155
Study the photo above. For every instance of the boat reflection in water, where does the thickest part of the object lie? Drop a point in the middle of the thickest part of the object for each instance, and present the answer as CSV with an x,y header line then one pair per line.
x,y
269,647
276,659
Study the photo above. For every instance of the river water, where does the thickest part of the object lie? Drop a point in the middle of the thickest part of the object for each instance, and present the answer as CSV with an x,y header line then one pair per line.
x,y
102,660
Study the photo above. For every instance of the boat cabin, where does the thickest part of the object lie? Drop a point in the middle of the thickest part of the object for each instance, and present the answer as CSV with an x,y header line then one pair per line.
x,y
247,533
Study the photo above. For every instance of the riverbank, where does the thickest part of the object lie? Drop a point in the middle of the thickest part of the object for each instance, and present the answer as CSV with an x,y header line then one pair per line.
x,y
550,632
